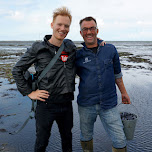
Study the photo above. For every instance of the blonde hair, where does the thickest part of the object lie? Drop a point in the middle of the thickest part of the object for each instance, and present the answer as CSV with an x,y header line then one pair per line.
x,y
63,11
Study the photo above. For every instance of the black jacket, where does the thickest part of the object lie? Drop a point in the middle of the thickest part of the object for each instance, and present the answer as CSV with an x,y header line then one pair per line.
x,y
59,80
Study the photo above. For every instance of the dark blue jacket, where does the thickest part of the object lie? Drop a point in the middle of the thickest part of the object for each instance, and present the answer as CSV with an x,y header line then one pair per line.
x,y
97,74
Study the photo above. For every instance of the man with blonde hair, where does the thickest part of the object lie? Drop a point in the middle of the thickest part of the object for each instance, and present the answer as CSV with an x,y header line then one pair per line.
x,y
55,90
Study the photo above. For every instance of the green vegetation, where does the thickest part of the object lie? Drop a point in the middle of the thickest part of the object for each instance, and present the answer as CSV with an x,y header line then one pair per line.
x,y
6,72
124,54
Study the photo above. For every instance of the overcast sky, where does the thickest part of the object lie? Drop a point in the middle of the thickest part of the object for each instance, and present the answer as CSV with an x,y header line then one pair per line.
x,y
117,20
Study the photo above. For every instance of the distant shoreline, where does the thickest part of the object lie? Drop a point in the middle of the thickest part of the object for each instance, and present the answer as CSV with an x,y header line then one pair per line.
x,y
77,41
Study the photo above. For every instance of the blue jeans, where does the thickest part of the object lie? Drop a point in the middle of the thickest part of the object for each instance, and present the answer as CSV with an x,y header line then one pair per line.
x,y
111,122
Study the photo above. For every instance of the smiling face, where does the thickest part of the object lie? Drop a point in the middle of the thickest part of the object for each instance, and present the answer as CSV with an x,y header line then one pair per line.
x,y
61,27
89,33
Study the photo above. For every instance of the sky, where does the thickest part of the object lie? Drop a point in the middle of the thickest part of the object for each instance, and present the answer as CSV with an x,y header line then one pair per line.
x,y
117,20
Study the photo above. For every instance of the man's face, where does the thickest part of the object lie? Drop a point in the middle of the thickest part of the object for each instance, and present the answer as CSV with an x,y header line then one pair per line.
x,y
89,33
61,27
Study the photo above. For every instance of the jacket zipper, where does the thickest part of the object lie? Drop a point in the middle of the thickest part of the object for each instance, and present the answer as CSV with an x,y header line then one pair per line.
x,y
64,66
66,77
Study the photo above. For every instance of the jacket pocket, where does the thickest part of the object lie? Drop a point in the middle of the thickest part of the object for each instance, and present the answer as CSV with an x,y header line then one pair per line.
x,y
108,63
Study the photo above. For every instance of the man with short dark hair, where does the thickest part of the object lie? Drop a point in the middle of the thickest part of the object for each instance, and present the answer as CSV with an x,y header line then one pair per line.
x,y
99,69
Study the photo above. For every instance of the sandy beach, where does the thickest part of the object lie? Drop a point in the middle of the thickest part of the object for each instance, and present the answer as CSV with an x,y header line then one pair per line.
x,y
14,109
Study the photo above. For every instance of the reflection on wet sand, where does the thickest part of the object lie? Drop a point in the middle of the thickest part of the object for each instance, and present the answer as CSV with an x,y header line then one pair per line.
x,y
14,108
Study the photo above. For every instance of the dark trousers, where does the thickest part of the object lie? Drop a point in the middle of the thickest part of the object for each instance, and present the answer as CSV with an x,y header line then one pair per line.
x,y
46,114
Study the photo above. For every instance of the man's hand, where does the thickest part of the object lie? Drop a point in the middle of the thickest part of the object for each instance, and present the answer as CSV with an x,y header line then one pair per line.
x,y
124,94
125,99
39,95
103,43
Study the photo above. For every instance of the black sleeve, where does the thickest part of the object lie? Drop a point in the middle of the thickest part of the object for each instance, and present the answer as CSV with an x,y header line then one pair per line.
x,y
21,66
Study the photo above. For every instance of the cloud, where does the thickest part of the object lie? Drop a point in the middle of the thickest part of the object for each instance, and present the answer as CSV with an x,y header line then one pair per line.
x,y
16,15
119,19
144,23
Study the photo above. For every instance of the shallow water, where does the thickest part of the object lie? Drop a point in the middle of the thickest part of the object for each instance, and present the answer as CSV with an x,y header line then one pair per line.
x,y
14,110
13,103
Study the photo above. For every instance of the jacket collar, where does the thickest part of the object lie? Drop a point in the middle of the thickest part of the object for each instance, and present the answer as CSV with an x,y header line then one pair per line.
x,y
98,41
69,45
46,40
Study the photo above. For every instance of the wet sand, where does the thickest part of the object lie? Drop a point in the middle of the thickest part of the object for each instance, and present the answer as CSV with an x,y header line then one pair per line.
x,y
14,109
